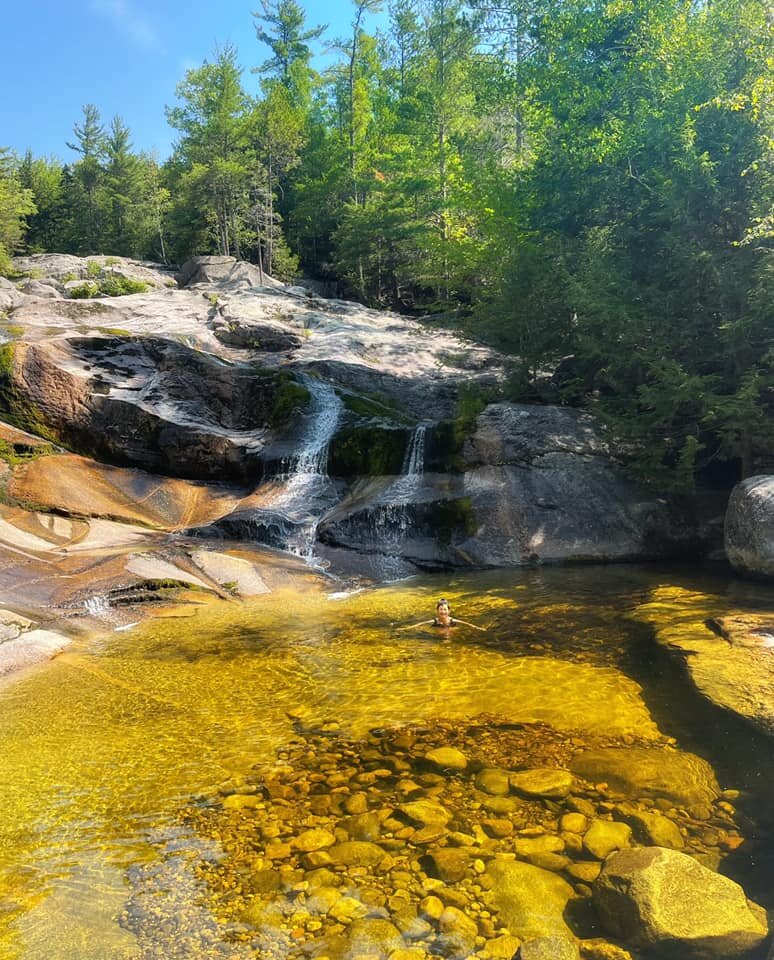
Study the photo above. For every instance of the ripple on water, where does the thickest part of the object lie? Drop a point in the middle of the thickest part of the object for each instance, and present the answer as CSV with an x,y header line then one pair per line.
x,y
99,749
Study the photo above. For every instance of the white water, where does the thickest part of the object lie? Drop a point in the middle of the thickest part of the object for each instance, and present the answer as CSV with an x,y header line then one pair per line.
x,y
307,490
98,606
392,520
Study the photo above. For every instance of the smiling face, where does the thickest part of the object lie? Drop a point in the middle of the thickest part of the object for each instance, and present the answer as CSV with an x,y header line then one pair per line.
x,y
442,612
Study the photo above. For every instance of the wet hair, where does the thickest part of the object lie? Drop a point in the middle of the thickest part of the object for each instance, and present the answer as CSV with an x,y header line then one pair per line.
x,y
442,602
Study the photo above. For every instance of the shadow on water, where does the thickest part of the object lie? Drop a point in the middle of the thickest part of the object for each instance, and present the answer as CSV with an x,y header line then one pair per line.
x,y
742,758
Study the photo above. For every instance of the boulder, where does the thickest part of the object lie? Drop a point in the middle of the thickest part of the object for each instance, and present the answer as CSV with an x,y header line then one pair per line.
x,y
538,485
603,837
425,812
649,827
549,948
373,938
530,901
45,291
150,403
494,782
666,901
449,864
357,853
545,782
749,527
680,777
10,296
458,934
447,758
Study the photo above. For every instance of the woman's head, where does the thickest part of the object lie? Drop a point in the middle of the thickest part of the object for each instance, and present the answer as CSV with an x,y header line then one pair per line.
x,y
442,605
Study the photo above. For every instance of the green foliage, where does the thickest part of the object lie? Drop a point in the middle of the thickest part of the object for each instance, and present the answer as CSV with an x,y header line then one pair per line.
x,y
107,285
587,186
114,285
16,203
85,291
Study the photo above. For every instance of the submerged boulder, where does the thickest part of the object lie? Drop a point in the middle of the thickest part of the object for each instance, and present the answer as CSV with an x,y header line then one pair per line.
x,y
682,778
661,899
530,901
749,527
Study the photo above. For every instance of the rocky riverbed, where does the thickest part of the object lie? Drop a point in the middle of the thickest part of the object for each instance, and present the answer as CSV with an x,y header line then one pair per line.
x,y
483,839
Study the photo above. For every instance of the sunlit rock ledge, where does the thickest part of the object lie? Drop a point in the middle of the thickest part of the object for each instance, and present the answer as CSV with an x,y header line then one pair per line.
x,y
728,653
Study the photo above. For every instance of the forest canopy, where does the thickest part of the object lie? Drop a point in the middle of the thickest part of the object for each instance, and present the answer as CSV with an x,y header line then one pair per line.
x,y
587,186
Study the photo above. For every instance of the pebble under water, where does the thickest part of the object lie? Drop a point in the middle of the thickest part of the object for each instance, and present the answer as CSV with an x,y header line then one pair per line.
x,y
263,780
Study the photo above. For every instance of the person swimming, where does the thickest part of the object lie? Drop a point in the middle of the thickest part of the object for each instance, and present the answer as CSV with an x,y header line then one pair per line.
x,y
443,619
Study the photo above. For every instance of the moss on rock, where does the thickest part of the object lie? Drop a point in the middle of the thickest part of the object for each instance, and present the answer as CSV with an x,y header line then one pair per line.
x,y
15,408
289,398
371,450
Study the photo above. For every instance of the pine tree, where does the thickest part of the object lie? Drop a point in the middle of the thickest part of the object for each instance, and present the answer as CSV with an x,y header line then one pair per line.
x,y
86,180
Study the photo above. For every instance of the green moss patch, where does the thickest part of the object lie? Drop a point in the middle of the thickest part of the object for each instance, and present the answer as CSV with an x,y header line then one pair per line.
x,y
15,407
289,399
367,451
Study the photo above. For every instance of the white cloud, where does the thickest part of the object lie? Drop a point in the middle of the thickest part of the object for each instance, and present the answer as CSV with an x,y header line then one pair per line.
x,y
130,22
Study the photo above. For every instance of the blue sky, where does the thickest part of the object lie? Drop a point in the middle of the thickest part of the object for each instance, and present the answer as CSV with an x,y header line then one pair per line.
x,y
125,56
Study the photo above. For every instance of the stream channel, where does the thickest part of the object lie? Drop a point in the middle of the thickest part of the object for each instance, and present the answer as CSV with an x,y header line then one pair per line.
x,y
117,759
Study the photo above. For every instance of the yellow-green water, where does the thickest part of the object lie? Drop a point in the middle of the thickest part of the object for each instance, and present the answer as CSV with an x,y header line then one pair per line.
x,y
100,749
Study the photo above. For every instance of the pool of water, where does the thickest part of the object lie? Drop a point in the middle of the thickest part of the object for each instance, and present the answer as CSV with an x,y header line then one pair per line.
x,y
102,749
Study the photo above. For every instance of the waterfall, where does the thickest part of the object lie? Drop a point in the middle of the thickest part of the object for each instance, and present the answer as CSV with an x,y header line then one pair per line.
x,y
392,520
312,458
306,490
413,467
98,606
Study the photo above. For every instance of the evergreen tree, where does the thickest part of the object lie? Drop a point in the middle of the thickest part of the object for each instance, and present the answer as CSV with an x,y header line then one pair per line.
x,y
86,180
281,26
212,165
47,226
121,189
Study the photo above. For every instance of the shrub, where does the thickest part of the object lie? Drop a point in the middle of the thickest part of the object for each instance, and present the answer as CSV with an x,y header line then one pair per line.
x,y
117,286
85,290
112,286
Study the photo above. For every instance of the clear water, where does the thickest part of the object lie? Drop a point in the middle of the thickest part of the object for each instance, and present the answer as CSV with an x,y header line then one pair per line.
x,y
101,749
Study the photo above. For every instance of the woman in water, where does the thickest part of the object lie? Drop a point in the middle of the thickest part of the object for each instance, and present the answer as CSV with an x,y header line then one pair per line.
x,y
442,618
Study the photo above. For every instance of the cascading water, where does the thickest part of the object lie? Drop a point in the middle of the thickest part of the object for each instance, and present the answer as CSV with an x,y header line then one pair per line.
x,y
392,520
98,606
305,490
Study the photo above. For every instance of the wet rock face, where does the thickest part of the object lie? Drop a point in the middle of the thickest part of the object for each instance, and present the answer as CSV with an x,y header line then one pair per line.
x,y
150,403
749,527
395,847
538,484
187,381
663,899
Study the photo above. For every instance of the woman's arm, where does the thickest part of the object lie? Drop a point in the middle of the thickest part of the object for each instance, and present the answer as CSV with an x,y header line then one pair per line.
x,y
409,626
467,624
